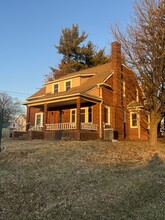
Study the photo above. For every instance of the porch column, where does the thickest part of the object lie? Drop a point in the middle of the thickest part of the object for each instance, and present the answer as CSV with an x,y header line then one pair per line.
x,y
78,113
28,118
45,115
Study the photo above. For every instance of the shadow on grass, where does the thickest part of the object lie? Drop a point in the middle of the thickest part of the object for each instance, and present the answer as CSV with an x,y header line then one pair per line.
x,y
144,196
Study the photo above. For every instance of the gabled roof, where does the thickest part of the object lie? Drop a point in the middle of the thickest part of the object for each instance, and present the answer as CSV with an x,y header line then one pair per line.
x,y
97,75
134,104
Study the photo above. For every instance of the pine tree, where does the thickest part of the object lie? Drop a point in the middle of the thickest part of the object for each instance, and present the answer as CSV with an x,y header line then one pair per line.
x,y
75,55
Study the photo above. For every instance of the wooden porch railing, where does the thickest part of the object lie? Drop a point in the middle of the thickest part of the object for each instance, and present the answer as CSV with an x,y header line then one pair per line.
x,y
69,126
36,128
61,126
88,126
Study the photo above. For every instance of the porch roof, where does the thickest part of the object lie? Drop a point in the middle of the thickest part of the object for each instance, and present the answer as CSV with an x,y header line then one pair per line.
x,y
100,75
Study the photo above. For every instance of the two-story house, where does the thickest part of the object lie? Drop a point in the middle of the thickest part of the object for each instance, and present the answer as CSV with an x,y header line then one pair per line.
x,y
103,102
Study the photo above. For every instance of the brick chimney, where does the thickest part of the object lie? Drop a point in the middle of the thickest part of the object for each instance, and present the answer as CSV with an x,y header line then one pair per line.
x,y
117,108
116,65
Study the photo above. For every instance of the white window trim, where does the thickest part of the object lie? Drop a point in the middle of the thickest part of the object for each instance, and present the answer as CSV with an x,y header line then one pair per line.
x,y
66,82
92,113
86,115
73,109
109,116
58,87
131,113
42,117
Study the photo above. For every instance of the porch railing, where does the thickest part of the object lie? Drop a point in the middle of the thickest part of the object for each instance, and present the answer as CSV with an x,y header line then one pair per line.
x,y
69,126
36,128
88,126
61,126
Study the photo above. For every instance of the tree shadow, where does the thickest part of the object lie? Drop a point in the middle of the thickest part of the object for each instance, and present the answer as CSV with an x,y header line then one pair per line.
x,y
155,162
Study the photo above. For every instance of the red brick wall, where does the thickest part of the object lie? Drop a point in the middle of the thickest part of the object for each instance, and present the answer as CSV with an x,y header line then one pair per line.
x,y
36,135
33,111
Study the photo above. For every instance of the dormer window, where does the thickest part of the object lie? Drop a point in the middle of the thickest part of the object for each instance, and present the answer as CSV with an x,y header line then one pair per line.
x,y
56,88
67,85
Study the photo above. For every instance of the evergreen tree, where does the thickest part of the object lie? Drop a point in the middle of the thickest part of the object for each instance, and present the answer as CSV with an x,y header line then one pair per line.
x,y
75,55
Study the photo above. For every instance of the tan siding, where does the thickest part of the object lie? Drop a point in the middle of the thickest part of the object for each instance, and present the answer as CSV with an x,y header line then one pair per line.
x,y
94,92
76,82
49,88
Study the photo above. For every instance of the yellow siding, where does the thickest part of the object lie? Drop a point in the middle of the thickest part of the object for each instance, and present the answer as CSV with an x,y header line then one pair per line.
x,y
76,82
61,85
49,88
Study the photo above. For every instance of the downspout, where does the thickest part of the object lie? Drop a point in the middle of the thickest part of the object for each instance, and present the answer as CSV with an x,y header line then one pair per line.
x,y
101,133
100,110
138,125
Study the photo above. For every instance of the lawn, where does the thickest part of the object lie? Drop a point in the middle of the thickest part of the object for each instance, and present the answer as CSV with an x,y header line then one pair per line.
x,y
75,180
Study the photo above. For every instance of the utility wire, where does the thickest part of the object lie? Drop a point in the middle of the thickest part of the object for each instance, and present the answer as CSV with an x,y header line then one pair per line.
x,y
17,93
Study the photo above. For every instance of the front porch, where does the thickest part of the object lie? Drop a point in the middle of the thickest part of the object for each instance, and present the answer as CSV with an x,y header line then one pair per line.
x,y
76,118
64,131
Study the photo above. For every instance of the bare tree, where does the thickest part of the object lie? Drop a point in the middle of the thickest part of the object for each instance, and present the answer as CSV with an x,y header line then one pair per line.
x,y
9,106
144,45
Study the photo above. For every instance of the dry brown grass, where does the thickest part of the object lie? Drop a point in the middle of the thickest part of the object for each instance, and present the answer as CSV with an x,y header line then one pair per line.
x,y
81,180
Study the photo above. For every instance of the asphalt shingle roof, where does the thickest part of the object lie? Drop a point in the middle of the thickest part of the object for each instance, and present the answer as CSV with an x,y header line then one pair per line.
x,y
100,72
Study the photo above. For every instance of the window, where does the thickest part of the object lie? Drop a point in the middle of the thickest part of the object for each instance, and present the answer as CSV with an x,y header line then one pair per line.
x,y
82,112
90,115
134,120
73,116
56,88
107,115
67,85
39,119
85,115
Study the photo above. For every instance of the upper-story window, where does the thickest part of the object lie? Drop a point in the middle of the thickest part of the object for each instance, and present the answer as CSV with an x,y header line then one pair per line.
x,y
56,88
67,85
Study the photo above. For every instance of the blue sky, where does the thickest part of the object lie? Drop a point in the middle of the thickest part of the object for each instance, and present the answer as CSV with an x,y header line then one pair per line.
x,y
29,29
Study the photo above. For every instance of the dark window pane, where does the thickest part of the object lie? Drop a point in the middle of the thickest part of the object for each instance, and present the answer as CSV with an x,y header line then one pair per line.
x,y
55,88
89,114
67,85
82,115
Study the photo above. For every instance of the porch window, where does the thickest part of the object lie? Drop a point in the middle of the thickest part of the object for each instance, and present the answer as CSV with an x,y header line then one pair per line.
x,y
73,116
90,115
39,119
56,89
134,119
67,85
82,115
85,115
107,115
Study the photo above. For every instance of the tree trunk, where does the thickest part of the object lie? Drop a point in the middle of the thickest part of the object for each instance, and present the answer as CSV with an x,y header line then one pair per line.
x,y
153,136
154,120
